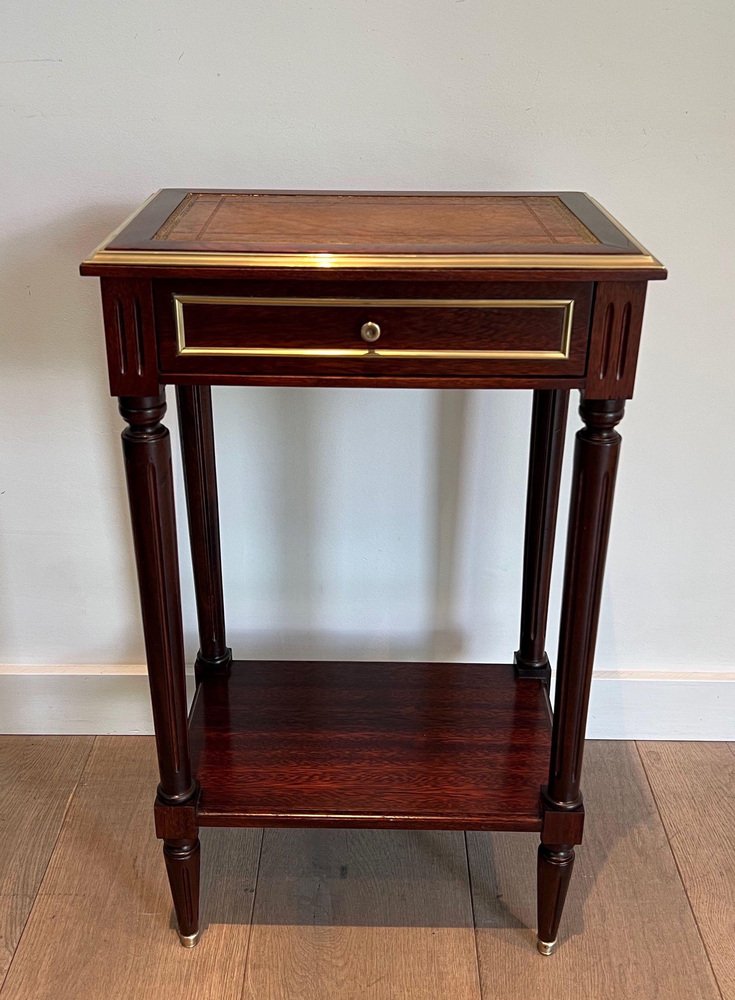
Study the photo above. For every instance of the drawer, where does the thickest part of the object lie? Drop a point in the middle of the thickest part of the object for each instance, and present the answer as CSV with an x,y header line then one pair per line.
x,y
363,335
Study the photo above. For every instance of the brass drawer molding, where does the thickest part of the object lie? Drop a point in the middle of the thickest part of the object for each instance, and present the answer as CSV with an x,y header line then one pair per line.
x,y
564,306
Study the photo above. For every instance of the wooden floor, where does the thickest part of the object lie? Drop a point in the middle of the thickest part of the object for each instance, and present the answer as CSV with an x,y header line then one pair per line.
x,y
85,912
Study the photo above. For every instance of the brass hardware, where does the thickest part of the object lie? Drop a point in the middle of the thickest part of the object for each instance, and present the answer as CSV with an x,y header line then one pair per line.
x,y
561,354
370,332
101,248
623,230
417,262
546,947
189,940
469,262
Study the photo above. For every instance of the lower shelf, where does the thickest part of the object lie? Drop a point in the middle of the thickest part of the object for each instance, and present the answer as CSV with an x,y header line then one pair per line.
x,y
427,745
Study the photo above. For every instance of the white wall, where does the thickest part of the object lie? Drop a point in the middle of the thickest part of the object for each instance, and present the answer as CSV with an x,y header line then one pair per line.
x,y
366,523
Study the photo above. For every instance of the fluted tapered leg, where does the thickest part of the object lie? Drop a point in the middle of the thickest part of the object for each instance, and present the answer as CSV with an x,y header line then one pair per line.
x,y
548,424
182,867
147,452
200,480
593,485
554,872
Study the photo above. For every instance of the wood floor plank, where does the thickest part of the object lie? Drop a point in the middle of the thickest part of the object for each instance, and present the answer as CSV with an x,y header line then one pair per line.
x,y
101,923
694,787
38,775
378,914
628,931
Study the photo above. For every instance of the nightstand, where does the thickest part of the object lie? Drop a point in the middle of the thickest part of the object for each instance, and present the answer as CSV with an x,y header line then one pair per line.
x,y
487,291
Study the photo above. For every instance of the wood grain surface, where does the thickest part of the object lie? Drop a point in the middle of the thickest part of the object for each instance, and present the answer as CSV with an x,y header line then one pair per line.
x,y
434,745
101,928
38,776
694,785
627,932
378,914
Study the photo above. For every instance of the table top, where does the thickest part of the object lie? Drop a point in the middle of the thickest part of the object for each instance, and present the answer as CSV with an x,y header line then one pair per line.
x,y
235,230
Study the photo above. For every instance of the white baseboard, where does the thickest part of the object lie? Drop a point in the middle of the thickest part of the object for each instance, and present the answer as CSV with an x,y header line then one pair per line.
x,y
113,699
665,705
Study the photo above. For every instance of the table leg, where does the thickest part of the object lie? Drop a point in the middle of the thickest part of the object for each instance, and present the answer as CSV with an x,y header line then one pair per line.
x,y
200,480
147,452
548,424
593,483
182,868
554,872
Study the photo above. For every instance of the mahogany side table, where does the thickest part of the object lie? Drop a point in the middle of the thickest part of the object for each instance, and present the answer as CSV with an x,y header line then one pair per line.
x,y
492,291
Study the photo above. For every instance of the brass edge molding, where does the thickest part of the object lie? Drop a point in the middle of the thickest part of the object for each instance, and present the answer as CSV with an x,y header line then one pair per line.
x,y
101,248
562,354
416,262
623,230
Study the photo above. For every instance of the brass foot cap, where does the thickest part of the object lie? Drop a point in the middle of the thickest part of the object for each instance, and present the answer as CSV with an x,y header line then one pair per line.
x,y
546,947
189,940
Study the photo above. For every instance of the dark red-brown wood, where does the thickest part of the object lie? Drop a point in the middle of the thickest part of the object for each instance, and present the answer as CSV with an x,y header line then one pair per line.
x,y
554,872
147,451
200,479
615,335
211,326
548,424
182,859
217,324
431,745
417,224
596,454
360,744
130,331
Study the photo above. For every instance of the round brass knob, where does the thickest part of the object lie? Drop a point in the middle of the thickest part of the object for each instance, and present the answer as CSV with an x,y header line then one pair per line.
x,y
370,332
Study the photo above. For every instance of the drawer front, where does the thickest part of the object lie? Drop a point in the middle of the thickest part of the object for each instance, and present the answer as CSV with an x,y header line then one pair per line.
x,y
376,335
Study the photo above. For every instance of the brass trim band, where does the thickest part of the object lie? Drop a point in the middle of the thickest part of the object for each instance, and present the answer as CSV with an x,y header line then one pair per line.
x,y
561,354
415,262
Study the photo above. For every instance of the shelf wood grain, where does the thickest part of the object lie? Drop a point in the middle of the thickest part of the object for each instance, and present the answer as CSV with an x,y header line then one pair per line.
x,y
431,745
